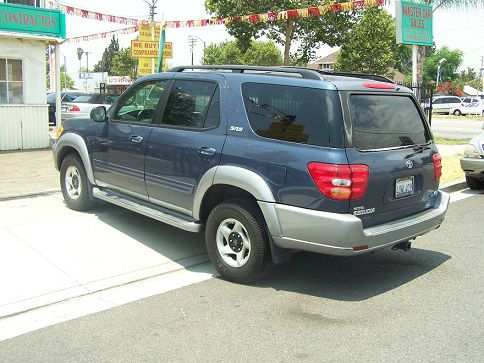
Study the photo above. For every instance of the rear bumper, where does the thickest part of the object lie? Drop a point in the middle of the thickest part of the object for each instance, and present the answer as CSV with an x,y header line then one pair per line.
x,y
337,234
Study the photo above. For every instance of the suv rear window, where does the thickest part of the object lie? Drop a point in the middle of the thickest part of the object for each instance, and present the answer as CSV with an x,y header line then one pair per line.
x,y
384,121
290,113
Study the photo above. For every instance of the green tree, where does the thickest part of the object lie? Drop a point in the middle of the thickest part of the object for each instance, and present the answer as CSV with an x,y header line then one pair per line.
x,y
124,65
106,62
258,53
308,33
449,68
371,46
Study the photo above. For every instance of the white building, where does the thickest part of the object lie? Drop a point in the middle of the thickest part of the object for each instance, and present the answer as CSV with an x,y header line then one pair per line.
x,y
24,33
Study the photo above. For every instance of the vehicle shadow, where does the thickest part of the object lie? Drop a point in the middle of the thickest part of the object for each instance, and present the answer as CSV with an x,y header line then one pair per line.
x,y
338,278
352,278
178,246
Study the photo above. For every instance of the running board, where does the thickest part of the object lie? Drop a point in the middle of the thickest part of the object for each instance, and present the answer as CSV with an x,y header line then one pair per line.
x,y
159,213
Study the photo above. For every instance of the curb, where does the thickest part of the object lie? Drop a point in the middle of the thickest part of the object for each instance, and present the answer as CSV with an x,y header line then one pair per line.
x,y
454,186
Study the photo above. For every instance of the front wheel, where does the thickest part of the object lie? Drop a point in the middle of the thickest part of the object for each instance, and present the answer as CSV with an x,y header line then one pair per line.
x,y
74,184
237,241
474,183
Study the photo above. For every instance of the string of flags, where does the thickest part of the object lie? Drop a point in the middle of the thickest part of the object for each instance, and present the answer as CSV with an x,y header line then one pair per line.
x,y
84,38
253,18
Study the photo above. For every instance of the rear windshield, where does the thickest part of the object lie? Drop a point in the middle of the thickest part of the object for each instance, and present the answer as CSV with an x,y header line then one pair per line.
x,y
289,113
384,121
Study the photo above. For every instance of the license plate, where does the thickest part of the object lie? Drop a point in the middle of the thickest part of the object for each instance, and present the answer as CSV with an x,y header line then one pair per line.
x,y
404,187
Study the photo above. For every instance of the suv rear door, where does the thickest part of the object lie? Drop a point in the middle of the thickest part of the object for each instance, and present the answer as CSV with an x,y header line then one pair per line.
x,y
390,136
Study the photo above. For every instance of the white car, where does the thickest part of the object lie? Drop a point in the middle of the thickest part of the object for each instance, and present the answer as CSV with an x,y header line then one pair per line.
x,y
443,104
473,162
82,105
474,108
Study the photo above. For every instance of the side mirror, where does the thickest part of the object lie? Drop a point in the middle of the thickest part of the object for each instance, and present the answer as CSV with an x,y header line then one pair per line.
x,y
98,114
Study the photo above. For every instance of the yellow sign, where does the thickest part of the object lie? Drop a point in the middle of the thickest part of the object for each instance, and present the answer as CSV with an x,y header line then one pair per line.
x,y
149,49
148,65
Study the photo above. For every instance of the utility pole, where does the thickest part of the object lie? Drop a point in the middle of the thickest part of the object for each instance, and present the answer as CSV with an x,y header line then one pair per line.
x,y
482,67
152,6
191,42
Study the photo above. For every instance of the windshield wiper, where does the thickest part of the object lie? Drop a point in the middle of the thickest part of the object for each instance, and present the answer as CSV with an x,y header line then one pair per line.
x,y
418,149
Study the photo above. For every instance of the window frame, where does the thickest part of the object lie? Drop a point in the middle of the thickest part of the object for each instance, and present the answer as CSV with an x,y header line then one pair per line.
x,y
189,128
159,108
6,59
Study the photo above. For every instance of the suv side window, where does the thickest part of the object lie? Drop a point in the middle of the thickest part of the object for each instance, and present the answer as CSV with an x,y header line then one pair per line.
x,y
290,113
452,100
194,104
437,101
140,103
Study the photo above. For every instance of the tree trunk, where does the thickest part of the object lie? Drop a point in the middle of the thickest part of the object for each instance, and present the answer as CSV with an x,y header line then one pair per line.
x,y
287,42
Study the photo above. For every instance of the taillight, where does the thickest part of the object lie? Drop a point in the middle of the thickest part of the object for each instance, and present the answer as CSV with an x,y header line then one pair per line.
x,y
437,160
340,182
74,109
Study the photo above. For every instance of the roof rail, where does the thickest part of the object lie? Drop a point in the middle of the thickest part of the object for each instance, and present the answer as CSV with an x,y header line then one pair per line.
x,y
305,73
374,77
331,72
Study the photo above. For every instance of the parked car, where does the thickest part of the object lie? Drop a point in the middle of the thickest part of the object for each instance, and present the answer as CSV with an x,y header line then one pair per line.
x,y
82,105
473,162
443,104
475,108
265,160
67,96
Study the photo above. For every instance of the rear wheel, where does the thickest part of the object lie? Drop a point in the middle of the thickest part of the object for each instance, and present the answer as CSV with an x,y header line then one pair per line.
x,y
237,241
474,183
457,112
74,184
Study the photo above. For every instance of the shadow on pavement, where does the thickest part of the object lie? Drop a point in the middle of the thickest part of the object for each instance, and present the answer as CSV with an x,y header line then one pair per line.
x,y
339,278
352,278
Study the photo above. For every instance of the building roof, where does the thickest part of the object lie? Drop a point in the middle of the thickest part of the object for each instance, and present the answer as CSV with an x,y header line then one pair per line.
x,y
329,59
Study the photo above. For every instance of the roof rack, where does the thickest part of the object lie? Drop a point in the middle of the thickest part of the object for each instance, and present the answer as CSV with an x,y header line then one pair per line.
x,y
305,73
331,72
374,77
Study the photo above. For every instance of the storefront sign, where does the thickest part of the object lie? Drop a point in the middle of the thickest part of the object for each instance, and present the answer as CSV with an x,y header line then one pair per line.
x,y
118,80
414,23
32,20
148,64
149,49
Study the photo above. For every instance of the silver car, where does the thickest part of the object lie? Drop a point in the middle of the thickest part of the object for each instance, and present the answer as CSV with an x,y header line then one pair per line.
x,y
82,105
473,162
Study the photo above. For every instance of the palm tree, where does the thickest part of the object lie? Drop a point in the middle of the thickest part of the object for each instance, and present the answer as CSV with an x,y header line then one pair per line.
x,y
443,4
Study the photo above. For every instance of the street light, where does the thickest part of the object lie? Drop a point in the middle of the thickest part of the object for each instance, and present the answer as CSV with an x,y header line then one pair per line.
x,y
192,40
439,70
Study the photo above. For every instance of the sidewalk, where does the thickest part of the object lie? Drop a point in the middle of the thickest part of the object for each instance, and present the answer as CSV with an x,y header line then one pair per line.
x,y
27,172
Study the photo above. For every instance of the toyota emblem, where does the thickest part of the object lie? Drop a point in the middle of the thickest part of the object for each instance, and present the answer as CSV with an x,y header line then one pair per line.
x,y
409,164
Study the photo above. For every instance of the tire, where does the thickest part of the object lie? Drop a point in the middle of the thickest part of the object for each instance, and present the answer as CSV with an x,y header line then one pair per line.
x,y
457,113
75,191
237,241
474,183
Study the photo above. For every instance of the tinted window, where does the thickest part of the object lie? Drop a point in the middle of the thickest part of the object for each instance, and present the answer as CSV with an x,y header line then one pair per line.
x,y
385,122
438,100
452,100
140,103
193,104
84,99
69,97
290,113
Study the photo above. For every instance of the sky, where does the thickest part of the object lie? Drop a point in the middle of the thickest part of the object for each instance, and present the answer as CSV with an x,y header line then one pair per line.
x,y
456,29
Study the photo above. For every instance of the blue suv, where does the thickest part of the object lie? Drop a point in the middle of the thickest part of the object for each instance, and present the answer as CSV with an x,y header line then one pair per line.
x,y
265,161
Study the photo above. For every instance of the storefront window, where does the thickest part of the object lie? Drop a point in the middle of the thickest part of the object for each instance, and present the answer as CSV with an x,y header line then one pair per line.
x,y
11,84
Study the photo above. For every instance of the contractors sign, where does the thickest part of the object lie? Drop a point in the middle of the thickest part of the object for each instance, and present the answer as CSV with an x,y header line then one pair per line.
x,y
149,49
32,20
414,23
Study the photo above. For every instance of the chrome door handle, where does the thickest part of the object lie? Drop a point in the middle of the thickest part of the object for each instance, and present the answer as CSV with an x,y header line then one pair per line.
x,y
206,151
136,139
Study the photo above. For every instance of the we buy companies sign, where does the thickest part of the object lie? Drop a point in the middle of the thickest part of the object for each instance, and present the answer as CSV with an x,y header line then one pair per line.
x,y
414,23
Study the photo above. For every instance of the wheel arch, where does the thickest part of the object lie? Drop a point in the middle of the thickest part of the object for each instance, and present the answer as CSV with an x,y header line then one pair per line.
x,y
69,143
